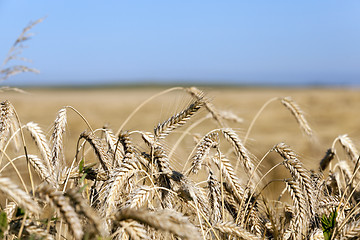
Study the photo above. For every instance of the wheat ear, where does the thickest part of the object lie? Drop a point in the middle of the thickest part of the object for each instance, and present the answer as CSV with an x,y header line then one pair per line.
x,y
163,129
240,150
38,232
83,208
351,230
23,199
165,220
229,176
134,229
298,172
349,147
124,139
57,140
116,184
99,149
209,141
139,197
5,119
41,142
143,104
112,142
41,170
215,199
62,204
232,229
198,94
298,114
299,201
14,53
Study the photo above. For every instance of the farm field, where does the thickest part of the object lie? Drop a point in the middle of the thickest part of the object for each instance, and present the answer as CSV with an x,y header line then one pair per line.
x,y
329,112
194,135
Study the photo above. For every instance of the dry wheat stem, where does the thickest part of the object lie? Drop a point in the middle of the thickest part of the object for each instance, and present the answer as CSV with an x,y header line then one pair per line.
x,y
256,117
16,170
82,117
17,119
144,103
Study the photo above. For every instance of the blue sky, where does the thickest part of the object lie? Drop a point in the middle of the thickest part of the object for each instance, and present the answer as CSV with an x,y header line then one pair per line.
x,y
260,41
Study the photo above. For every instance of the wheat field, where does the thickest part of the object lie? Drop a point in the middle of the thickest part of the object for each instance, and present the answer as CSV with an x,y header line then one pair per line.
x,y
180,163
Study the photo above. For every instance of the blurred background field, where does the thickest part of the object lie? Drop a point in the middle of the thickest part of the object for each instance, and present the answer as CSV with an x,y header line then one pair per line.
x,y
330,112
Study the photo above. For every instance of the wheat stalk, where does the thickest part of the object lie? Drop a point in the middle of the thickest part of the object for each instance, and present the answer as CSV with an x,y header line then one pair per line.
x,y
298,114
14,53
